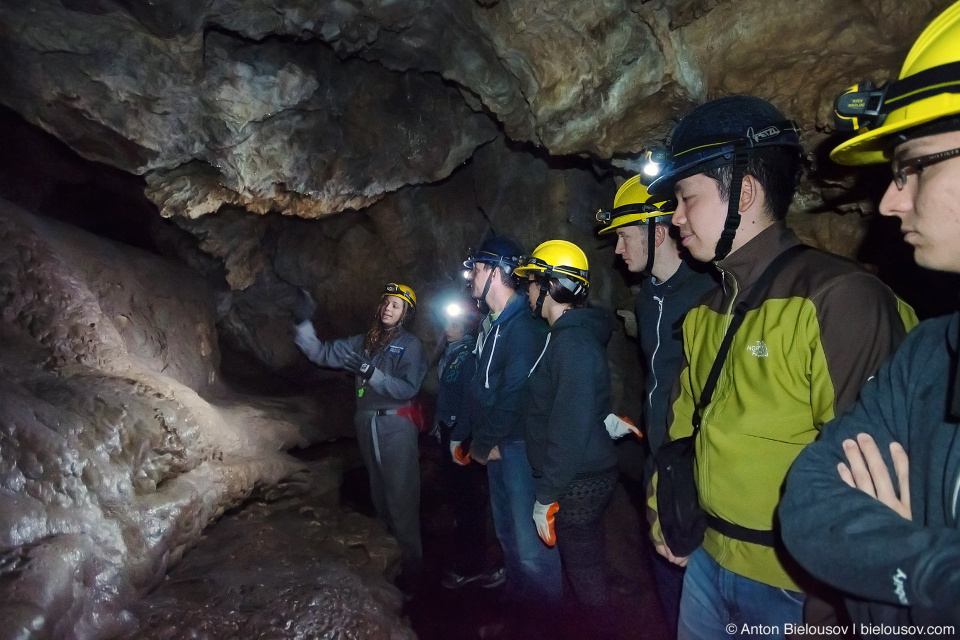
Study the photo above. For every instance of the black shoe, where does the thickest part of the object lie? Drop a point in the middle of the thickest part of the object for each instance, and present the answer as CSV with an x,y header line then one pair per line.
x,y
454,580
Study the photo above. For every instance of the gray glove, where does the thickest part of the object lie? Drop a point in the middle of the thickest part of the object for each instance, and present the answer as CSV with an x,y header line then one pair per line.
x,y
304,307
359,365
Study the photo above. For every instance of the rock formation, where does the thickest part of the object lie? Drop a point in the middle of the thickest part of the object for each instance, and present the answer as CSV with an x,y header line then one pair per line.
x,y
117,447
332,146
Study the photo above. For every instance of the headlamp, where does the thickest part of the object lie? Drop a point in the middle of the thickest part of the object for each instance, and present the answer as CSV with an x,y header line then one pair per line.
x,y
663,207
859,107
652,162
453,310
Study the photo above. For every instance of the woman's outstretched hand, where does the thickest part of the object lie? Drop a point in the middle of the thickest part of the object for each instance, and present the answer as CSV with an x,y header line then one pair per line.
x,y
304,307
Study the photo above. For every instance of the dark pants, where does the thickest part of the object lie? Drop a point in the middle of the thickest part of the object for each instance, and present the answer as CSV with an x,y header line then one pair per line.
x,y
468,491
669,579
580,538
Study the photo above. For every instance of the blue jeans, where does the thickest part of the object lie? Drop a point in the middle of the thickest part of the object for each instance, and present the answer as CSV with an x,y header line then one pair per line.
x,y
716,601
533,568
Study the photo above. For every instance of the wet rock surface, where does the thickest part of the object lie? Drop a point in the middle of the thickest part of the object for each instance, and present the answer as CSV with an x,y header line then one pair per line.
x,y
117,446
289,563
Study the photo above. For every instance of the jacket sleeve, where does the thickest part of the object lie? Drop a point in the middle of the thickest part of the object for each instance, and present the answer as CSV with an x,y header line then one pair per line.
x,y
464,425
854,542
573,417
521,349
451,394
403,381
325,354
861,322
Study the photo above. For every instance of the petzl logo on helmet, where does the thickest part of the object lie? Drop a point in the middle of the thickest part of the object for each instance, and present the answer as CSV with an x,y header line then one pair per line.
x,y
764,134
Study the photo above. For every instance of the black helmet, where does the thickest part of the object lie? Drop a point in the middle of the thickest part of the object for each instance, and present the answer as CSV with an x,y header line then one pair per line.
x,y
497,251
726,131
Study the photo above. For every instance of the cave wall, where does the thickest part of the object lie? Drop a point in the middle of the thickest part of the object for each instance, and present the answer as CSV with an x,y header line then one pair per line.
x,y
111,462
332,146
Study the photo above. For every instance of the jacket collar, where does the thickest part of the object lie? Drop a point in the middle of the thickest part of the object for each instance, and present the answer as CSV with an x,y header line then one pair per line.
x,y
748,262
678,280
515,305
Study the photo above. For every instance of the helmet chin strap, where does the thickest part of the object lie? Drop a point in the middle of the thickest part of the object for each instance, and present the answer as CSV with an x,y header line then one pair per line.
x,y
486,286
538,312
725,243
651,246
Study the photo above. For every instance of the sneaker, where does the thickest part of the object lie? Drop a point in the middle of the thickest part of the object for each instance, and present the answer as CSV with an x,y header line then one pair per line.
x,y
494,579
453,580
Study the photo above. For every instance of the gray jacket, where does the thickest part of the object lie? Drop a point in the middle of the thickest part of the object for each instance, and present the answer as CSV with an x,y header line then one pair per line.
x,y
400,366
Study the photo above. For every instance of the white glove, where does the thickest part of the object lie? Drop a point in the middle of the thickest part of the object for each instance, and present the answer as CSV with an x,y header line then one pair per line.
x,y
618,427
544,515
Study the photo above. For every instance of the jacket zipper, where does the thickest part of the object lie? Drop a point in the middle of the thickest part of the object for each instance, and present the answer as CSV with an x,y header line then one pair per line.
x,y
653,358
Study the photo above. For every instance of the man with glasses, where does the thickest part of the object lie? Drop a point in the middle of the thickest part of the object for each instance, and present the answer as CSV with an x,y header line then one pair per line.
x,y
872,508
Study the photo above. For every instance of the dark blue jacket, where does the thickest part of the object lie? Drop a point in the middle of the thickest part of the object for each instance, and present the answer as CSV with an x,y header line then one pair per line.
x,y
900,571
661,308
496,394
455,372
568,397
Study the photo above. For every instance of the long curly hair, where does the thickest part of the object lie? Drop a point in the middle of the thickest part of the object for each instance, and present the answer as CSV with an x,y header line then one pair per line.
x,y
380,335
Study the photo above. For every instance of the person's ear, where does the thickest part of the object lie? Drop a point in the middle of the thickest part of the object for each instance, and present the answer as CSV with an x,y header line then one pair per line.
x,y
750,192
660,234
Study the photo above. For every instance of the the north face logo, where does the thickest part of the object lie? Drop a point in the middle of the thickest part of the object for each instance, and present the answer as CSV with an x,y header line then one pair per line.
x,y
759,349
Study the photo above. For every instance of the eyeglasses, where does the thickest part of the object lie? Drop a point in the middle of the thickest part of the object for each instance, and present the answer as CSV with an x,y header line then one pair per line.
x,y
904,168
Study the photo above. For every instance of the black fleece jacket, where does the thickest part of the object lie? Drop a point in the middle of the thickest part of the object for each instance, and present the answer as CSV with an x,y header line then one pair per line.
x,y
568,396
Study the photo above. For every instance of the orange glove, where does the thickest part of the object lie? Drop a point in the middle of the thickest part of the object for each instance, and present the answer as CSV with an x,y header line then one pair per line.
x,y
461,457
544,515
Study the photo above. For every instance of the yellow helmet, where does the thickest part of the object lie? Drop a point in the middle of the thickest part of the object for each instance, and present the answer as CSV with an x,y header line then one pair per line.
x,y
558,259
928,89
633,205
401,291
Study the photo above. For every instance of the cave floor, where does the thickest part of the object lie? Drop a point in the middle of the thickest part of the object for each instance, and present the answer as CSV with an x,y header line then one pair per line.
x,y
293,563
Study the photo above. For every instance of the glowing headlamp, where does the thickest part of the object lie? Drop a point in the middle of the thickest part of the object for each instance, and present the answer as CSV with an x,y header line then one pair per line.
x,y
651,163
453,310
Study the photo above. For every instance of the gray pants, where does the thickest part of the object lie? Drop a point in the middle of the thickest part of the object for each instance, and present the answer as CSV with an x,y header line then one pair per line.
x,y
393,464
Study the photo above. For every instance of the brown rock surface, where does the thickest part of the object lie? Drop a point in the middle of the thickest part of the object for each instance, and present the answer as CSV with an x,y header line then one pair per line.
x,y
111,462
290,564
422,124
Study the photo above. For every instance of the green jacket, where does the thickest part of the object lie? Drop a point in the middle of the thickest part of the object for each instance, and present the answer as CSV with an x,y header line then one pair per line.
x,y
800,357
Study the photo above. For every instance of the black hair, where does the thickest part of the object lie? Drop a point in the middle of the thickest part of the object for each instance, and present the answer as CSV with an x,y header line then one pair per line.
x,y
777,169
562,295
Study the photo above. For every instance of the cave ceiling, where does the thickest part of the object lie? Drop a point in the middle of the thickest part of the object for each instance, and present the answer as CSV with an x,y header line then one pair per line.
x,y
311,108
